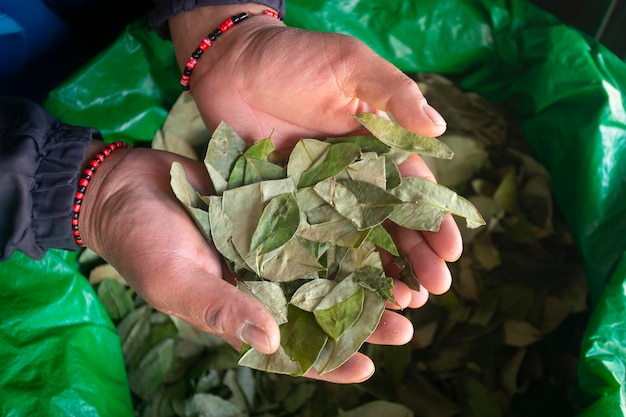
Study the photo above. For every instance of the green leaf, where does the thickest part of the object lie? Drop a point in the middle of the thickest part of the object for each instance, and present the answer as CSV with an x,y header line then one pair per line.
x,y
278,362
270,294
210,405
335,159
308,295
277,225
366,143
224,149
222,231
366,205
392,174
291,262
304,155
370,170
381,238
340,309
406,273
244,205
418,216
337,352
253,166
374,279
418,190
302,338
395,136
149,376
326,224
190,198
115,298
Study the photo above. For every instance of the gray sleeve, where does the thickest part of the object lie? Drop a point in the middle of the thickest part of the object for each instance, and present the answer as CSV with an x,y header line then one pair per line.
x,y
40,160
164,9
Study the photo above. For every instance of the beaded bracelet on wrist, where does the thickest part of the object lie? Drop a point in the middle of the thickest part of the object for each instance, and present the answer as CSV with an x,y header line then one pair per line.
x,y
83,183
208,41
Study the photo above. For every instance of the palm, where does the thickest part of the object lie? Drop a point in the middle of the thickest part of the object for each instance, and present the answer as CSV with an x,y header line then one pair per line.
x,y
311,93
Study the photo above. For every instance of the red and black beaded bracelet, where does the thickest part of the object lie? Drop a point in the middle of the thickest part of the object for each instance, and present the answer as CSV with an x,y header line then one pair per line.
x,y
83,183
207,42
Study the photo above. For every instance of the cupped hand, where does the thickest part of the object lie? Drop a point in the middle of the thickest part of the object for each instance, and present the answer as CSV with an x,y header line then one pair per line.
x,y
264,78
131,218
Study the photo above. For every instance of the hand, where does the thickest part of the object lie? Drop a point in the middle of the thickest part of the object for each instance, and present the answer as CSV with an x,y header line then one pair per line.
x,y
264,78
131,218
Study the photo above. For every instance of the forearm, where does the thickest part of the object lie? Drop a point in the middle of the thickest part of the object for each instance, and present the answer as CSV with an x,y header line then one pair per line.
x,y
40,159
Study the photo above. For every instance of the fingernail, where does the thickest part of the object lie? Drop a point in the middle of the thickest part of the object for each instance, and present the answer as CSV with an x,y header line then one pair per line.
x,y
255,337
433,115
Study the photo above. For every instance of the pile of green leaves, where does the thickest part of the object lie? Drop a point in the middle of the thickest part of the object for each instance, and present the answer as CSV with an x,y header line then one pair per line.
x,y
302,237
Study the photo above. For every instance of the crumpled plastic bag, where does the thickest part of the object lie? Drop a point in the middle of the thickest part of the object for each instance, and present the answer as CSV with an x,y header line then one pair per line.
x,y
567,90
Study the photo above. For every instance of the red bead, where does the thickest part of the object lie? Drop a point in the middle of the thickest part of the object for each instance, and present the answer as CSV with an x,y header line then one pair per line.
x,y
270,13
83,182
88,173
94,163
206,42
100,157
106,152
79,195
226,25
76,208
74,222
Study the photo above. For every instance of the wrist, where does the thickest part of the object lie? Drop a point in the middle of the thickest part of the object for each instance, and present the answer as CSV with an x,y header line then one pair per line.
x,y
101,159
195,34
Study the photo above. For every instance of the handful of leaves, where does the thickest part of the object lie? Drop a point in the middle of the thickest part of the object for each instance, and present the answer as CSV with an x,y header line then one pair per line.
x,y
301,237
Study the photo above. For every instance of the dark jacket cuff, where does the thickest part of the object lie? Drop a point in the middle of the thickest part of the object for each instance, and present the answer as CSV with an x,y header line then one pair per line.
x,y
40,160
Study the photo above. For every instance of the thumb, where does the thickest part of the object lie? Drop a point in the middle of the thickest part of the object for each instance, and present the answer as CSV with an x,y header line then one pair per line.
x,y
385,87
217,307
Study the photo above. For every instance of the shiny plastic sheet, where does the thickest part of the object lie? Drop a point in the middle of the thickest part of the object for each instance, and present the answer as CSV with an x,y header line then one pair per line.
x,y
566,88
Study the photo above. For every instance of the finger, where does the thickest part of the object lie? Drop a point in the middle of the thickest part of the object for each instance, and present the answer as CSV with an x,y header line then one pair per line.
x,y
402,294
383,86
217,307
393,329
405,297
429,268
419,298
356,369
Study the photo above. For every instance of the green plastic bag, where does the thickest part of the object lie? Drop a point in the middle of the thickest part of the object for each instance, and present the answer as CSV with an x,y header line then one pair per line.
x,y
566,88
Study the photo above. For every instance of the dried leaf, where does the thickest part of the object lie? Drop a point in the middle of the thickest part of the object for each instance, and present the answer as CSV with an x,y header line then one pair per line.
x,y
366,205
224,149
334,160
422,191
520,333
270,294
302,337
340,309
253,165
277,225
395,136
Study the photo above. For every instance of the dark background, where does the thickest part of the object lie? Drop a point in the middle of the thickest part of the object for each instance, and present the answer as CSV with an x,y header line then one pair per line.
x,y
42,42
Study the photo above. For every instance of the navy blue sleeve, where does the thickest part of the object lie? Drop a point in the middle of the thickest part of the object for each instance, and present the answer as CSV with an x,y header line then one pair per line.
x,y
164,9
40,160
